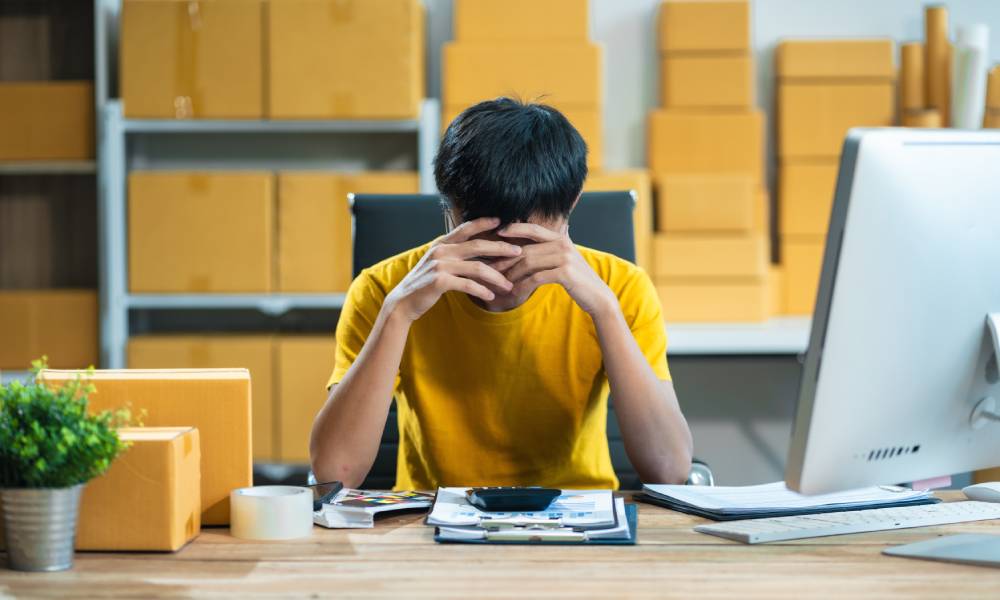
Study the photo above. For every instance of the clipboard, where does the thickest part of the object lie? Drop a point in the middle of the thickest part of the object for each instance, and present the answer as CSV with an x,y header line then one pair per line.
x,y
552,538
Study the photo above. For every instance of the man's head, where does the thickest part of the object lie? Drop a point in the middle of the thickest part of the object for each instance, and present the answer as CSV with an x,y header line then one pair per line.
x,y
511,160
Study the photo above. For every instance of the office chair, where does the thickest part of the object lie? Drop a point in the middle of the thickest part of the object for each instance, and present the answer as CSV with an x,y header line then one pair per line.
x,y
385,225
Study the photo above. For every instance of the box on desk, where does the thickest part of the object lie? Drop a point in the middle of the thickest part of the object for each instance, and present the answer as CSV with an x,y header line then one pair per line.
x,y
691,141
706,203
345,59
150,497
686,255
186,60
304,366
813,118
252,352
715,299
522,20
802,263
60,324
215,401
806,191
706,80
686,25
636,180
51,120
850,59
200,232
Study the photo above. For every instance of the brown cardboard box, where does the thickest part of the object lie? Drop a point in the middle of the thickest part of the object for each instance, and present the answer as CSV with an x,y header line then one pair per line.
x,y
315,248
802,261
150,497
992,119
806,194
813,59
304,366
565,75
216,401
522,20
986,475
182,59
702,255
777,287
690,142
702,203
714,300
709,80
761,211
346,59
51,120
993,89
637,180
252,352
813,118
61,324
200,232
704,25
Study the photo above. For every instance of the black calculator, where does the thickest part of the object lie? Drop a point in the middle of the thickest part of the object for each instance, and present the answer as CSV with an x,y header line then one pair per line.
x,y
512,499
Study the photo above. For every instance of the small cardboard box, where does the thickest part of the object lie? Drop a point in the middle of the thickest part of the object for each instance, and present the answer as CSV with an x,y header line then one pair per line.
x,y
777,287
185,60
522,20
150,497
52,120
315,245
699,25
638,181
252,352
806,192
702,255
802,262
60,324
813,118
993,89
200,232
845,59
715,300
706,203
707,81
345,59
692,141
216,401
304,366
565,75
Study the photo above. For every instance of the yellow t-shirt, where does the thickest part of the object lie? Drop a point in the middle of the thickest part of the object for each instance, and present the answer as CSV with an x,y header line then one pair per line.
x,y
510,398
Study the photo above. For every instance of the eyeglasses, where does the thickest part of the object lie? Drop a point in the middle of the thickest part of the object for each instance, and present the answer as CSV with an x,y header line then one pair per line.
x,y
449,219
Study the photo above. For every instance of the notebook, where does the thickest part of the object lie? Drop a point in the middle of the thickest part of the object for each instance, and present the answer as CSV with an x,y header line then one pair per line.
x,y
357,508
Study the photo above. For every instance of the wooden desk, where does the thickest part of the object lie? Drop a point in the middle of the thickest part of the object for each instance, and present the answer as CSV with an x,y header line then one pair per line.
x,y
398,557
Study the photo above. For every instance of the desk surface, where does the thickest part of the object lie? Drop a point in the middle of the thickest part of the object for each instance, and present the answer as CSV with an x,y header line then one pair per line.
x,y
399,557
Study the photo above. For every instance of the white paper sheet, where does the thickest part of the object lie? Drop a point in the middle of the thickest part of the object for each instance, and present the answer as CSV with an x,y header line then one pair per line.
x,y
574,508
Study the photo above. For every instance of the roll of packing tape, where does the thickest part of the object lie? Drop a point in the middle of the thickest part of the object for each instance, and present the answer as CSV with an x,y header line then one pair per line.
x,y
271,512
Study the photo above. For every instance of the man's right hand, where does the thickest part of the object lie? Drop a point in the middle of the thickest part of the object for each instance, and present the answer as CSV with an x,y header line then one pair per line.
x,y
451,264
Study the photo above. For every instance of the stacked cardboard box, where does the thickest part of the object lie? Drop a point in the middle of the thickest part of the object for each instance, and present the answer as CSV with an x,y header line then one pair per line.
x,y
992,117
712,249
60,324
636,180
825,87
47,120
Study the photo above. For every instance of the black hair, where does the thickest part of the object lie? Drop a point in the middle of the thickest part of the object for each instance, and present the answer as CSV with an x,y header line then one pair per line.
x,y
512,160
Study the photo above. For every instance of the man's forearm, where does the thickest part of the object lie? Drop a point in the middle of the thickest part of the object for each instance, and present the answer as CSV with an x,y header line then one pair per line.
x,y
348,429
656,435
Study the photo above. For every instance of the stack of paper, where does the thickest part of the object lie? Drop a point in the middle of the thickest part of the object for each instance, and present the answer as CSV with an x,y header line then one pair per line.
x,y
357,508
576,516
773,500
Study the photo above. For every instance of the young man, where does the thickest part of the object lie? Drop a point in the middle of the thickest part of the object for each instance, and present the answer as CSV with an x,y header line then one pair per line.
x,y
500,340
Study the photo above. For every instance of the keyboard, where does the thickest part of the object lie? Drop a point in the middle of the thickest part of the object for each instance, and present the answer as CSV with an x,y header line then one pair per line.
x,y
779,529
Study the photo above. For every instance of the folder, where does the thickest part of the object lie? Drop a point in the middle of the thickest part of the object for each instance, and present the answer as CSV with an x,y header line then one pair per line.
x,y
557,536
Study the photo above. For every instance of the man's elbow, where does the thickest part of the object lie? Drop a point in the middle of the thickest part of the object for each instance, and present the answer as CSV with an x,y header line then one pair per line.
x,y
325,470
674,469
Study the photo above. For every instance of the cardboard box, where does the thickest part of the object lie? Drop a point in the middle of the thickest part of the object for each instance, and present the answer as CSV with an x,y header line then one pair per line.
x,y
991,120
721,300
200,232
692,142
702,255
315,245
845,59
802,261
150,497
51,120
304,366
713,81
252,352
522,20
639,181
761,211
806,193
777,289
60,324
216,401
699,25
813,118
986,475
565,75
345,59
705,203
993,89
186,60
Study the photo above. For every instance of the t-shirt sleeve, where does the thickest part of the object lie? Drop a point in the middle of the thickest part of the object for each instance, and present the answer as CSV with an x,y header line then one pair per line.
x,y
644,315
357,318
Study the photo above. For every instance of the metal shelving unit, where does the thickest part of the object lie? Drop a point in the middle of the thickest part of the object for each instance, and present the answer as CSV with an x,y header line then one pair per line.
x,y
48,167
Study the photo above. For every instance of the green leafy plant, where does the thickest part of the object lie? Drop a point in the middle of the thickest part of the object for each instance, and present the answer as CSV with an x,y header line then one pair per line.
x,y
47,437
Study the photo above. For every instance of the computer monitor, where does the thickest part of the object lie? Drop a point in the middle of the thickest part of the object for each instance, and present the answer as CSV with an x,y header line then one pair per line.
x,y
900,380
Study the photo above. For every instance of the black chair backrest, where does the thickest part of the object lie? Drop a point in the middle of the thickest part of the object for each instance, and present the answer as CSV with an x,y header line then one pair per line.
x,y
385,225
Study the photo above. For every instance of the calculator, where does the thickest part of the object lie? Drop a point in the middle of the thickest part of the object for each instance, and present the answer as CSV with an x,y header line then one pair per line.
x,y
512,499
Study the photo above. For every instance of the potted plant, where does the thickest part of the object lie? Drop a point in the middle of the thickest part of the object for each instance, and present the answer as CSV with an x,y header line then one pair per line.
x,y
49,448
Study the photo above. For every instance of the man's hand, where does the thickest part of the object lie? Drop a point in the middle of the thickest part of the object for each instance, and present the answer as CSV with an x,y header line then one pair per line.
x,y
553,258
450,264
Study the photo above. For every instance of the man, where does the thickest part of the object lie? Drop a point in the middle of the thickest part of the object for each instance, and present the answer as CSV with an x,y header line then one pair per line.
x,y
500,340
